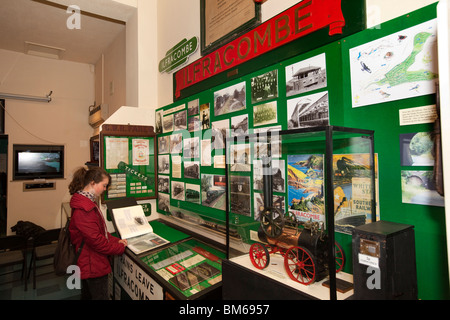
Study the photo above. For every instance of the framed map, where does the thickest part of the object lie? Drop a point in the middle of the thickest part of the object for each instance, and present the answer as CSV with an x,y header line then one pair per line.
x,y
398,66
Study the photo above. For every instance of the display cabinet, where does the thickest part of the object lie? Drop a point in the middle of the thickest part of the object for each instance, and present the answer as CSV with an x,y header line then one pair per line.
x,y
188,268
289,194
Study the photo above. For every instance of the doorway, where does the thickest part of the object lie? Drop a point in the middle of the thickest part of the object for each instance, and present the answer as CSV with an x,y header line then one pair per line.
x,y
3,170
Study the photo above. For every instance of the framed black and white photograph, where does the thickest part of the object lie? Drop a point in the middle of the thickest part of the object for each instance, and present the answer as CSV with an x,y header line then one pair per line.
x,y
204,116
191,169
306,75
164,164
308,111
265,113
180,120
163,184
264,87
193,107
176,143
239,125
177,190
240,202
192,193
163,144
230,99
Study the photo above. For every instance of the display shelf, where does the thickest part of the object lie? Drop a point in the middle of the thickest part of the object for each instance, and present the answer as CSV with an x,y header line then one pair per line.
x,y
289,192
189,269
274,280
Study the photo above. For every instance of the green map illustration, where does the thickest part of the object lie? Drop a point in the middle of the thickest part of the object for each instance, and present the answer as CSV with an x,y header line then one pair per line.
x,y
394,67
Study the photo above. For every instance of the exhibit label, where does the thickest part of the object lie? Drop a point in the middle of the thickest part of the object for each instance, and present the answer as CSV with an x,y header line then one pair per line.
x,y
296,22
135,281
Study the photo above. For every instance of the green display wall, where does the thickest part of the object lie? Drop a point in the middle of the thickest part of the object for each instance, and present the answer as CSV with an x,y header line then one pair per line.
x,y
384,119
344,72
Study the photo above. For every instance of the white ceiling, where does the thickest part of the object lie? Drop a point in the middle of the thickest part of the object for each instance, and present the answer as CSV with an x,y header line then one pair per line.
x,y
45,22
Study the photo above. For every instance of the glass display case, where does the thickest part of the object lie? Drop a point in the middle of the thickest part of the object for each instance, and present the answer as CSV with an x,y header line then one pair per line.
x,y
290,196
188,269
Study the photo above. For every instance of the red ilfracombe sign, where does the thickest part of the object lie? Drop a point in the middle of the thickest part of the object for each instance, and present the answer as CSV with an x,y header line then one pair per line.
x,y
302,19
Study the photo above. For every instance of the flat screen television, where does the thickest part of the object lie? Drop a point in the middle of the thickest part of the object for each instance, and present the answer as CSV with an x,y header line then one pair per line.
x,y
31,162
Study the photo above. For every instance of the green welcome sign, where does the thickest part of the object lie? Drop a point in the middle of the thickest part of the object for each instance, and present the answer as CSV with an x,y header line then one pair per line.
x,y
178,55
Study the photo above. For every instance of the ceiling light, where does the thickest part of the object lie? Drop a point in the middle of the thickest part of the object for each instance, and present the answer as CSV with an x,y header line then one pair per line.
x,y
42,50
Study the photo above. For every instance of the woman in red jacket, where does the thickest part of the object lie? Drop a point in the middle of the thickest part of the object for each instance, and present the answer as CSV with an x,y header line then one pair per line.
x,y
87,223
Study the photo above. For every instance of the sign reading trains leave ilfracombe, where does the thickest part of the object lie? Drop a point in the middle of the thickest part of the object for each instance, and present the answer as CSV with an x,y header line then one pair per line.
x,y
298,21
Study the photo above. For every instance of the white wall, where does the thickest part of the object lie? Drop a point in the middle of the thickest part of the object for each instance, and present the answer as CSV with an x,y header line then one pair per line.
x,y
62,121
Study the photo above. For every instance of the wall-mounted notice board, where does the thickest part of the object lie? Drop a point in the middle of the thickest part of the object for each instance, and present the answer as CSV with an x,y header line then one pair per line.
x,y
128,155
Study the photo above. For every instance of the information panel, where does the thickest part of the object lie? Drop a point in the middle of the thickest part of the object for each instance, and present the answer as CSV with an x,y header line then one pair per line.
x,y
128,155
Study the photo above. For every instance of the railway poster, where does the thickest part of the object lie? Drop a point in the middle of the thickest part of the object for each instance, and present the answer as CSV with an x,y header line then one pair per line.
x,y
352,191
305,187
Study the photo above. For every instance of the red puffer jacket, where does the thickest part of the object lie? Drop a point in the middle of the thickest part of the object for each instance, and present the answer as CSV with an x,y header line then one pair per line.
x,y
87,223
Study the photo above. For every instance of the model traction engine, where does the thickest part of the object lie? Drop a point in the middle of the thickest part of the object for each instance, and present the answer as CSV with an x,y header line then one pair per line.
x,y
302,244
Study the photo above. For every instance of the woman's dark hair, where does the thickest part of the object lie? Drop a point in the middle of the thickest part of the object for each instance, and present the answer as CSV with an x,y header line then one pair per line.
x,y
82,177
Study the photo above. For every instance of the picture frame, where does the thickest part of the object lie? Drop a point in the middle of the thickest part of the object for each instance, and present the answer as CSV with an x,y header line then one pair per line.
x,y
219,24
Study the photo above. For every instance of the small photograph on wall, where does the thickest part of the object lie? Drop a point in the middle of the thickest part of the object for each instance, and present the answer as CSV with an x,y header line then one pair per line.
x,y
180,120
193,107
164,164
262,149
265,86
192,169
278,202
168,123
308,111
194,123
163,202
265,113
398,66
240,157
204,116
163,184
418,188
219,133
278,175
191,147
163,144
240,202
306,75
159,122
176,167
213,191
230,99
239,125
417,149
192,193
176,143
177,190
206,153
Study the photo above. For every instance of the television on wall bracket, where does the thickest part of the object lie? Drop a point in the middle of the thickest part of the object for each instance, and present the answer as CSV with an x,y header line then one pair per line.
x,y
33,162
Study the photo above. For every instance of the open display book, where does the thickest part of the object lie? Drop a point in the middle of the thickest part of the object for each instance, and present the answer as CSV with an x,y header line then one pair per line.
x,y
131,224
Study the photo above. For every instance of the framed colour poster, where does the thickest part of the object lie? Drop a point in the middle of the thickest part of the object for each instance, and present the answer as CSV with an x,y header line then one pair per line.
x,y
128,155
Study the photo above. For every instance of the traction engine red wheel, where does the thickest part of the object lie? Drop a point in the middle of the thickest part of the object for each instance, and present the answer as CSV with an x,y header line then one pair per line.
x,y
259,255
300,266
339,256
